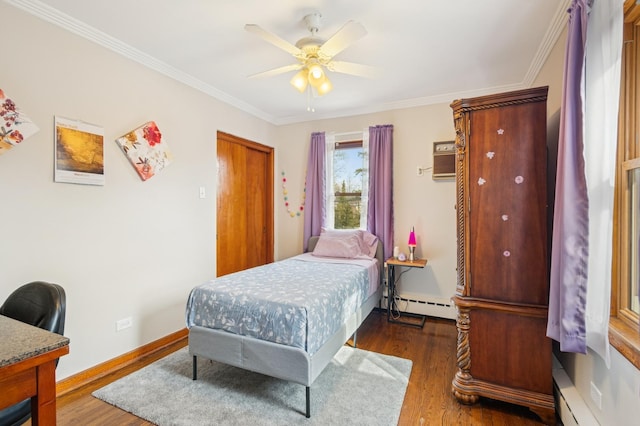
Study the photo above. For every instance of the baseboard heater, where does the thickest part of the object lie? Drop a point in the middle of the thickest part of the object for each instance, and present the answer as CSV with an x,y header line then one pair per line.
x,y
570,406
431,307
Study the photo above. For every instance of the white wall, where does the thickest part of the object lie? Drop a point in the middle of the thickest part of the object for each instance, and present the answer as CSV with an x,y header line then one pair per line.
x,y
128,248
419,201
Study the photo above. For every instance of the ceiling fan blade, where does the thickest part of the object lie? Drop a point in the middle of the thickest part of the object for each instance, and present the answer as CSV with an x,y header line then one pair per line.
x,y
350,32
276,71
273,39
353,69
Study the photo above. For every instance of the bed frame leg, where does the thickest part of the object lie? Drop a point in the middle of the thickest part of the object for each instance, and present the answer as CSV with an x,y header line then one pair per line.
x,y
308,402
195,367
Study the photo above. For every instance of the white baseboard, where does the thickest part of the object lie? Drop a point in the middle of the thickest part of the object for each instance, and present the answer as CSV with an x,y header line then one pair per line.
x,y
419,304
570,406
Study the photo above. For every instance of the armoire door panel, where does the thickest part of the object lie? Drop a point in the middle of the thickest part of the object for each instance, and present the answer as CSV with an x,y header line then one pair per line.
x,y
507,217
507,349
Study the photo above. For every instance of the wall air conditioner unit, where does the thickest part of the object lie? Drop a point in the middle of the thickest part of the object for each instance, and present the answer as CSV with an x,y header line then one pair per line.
x,y
444,160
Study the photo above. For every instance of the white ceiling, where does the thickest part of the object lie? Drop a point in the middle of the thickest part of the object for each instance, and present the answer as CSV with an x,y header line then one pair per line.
x,y
426,51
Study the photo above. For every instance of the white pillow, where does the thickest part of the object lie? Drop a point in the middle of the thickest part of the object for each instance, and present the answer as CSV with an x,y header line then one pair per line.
x,y
346,246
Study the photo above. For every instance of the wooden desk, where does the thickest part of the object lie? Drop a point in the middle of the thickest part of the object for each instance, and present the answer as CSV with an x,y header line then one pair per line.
x,y
28,368
392,262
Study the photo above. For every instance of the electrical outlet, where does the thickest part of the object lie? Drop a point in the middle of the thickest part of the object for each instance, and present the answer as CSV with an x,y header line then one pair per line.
x,y
596,396
124,323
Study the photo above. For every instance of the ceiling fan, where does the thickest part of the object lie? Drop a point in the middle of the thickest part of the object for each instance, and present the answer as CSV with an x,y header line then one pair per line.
x,y
315,55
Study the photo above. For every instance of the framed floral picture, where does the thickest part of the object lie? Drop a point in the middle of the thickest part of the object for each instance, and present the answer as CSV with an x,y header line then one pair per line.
x,y
15,126
146,150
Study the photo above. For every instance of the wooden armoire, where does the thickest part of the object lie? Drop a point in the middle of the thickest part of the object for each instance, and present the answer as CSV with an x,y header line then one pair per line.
x,y
502,286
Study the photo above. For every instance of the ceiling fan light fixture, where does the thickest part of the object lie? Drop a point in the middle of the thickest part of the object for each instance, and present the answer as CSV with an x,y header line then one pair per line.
x,y
315,71
325,87
299,81
316,74
316,82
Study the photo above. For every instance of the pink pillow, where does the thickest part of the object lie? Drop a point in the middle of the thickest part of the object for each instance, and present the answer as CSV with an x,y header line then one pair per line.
x,y
371,243
340,246
367,242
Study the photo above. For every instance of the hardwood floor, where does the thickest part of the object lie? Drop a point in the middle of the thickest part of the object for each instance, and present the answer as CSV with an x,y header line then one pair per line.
x,y
428,400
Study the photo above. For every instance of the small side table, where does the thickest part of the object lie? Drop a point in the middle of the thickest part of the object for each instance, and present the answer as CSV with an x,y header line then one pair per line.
x,y
392,262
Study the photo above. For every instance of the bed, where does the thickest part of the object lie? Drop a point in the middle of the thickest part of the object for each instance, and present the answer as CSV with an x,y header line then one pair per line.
x,y
275,341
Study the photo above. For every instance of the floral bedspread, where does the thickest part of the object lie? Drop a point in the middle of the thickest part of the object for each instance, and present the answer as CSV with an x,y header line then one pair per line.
x,y
300,301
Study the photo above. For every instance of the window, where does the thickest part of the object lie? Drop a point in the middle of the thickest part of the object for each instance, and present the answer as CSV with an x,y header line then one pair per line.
x,y
347,181
632,207
625,309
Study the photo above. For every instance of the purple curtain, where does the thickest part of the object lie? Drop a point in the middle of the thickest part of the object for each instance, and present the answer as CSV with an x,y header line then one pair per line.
x,y
314,202
380,207
570,246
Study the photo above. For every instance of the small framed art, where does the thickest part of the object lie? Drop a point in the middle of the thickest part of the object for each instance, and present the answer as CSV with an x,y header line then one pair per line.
x,y
15,126
145,149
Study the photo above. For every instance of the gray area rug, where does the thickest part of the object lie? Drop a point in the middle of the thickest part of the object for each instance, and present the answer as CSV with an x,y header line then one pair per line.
x,y
358,388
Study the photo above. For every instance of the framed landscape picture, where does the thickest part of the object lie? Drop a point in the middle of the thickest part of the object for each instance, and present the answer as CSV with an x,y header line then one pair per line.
x,y
79,152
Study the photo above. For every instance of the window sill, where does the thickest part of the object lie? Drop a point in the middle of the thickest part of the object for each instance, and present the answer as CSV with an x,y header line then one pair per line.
x,y
625,339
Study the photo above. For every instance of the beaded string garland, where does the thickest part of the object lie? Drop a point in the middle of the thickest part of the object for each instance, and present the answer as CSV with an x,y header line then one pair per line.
x,y
285,194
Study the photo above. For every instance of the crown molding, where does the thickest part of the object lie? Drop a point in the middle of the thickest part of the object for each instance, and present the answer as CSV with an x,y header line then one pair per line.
x,y
54,16
81,29
558,24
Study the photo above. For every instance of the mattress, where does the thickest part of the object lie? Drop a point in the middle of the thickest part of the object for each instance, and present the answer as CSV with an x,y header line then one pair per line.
x,y
301,301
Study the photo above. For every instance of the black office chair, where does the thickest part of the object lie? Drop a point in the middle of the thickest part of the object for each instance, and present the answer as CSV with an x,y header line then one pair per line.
x,y
42,305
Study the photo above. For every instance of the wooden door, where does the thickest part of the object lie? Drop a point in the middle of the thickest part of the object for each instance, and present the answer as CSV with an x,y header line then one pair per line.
x,y
244,223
